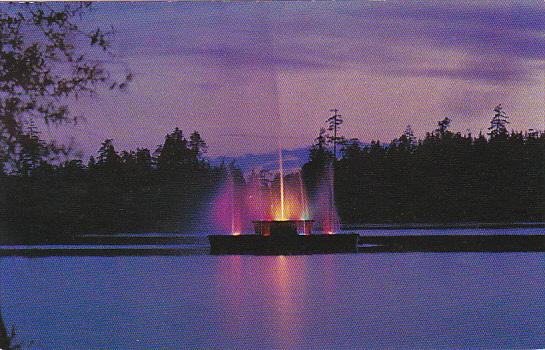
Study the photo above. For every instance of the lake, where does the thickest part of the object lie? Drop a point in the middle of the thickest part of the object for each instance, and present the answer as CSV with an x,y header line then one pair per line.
x,y
343,301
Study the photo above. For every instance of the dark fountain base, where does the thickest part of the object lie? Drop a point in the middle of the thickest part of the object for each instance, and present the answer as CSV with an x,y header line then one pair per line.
x,y
289,237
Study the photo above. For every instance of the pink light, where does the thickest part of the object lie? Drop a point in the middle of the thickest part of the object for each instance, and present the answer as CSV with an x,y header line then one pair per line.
x,y
259,198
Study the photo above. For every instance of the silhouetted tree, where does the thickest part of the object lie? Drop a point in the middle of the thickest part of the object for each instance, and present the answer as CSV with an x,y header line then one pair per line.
x,y
46,56
144,159
319,152
444,177
334,123
107,155
197,145
30,151
352,149
114,193
443,125
498,124
128,159
320,157
92,162
408,140
174,154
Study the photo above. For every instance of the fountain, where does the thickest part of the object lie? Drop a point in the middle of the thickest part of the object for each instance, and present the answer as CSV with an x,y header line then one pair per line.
x,y
278,209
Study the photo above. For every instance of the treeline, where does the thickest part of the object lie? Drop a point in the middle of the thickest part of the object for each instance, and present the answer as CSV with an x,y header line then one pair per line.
x,y
445,177
130,191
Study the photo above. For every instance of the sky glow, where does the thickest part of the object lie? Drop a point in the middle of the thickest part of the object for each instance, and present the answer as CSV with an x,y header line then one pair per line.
x,y
245,74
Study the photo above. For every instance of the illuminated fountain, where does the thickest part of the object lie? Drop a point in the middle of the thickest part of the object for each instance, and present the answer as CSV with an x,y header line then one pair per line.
x,y
278,208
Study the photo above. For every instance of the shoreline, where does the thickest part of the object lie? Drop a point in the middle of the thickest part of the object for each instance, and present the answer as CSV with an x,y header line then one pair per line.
x,y
366,244
388,241
439,226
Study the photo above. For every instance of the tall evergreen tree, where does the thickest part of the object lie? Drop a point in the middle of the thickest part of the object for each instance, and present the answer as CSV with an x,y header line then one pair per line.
x,y
319,152
498,124
107,155
408,139
197,145
174,154
334,123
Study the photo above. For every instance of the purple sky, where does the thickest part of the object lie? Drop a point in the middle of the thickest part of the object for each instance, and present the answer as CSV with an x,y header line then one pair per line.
x,y
244,74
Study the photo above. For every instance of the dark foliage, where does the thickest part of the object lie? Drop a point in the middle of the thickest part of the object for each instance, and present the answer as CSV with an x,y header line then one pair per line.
x,y
46,57
446,177
127,192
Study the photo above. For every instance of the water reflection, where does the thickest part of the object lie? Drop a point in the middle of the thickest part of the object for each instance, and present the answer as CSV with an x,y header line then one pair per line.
x,y
4,336
230,278
294,302
329,269
4,340
7,339
263,298
287,285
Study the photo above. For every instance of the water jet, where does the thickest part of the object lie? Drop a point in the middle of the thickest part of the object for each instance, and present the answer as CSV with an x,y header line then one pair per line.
x,y
280,214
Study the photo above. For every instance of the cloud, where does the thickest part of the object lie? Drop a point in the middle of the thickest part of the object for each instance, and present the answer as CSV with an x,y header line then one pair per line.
x,y
488,70
236,57
391,37
261,68
498,41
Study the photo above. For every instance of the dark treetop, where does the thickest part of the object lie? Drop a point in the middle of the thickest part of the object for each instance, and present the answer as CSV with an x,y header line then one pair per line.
x,y
445,177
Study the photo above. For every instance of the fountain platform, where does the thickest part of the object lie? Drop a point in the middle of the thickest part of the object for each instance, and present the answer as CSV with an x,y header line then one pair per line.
x,y
283,237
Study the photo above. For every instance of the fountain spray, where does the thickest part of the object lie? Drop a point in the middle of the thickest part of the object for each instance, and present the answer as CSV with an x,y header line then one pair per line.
x,y
305,214
234,230
281,167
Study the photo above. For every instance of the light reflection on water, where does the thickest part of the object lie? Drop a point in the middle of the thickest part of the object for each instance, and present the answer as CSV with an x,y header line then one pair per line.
x,y
288,286
412,300
263,301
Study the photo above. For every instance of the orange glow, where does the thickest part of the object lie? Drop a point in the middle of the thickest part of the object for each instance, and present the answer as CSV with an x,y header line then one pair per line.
x,y
290,204
236,233
281,161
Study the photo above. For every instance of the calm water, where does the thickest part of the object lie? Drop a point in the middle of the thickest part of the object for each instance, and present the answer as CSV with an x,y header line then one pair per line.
x,y
453,231
417,300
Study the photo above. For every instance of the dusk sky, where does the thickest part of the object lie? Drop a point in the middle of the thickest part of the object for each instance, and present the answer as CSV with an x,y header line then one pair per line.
x,y
244,74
